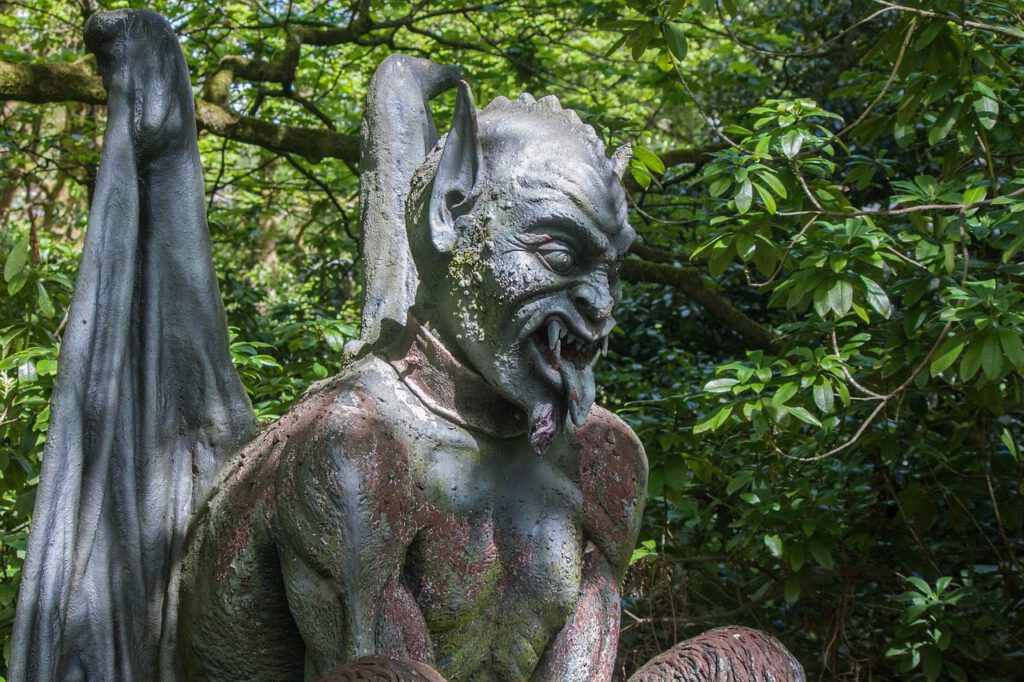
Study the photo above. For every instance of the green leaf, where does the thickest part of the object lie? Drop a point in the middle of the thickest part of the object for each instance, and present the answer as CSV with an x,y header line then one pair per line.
x,y
986,107
1006,438
762,148
675,38
821,553
16,259
784,393
46,367
773,181
640,174
947,354
774,545
17,283
649,159
904,134
792,590
877,298
720,385
840,297
1013,347
715,421
738,481
971,361
744,196
823,396
766,197
844,393
791,141
646,550
718,187
1013,248
803,415
944,124
949,256
43,301
821,303
992,356
931,662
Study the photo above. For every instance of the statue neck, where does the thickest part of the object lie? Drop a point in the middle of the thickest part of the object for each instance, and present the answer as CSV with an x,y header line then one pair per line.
x,y
449,388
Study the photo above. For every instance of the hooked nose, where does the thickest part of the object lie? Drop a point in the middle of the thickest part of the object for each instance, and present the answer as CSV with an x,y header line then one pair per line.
x,y
595,302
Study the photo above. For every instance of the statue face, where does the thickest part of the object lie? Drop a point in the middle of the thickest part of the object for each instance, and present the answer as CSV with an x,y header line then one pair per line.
x,y
535,271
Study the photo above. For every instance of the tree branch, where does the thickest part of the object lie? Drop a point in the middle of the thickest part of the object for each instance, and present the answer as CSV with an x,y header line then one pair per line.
x,y
689,281
52,82
311,144
78,82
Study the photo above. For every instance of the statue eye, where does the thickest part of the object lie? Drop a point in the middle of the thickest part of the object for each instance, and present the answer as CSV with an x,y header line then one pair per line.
x,y
558,257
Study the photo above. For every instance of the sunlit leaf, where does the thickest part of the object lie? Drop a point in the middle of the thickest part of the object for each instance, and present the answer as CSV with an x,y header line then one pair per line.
x,y
744,196
675,38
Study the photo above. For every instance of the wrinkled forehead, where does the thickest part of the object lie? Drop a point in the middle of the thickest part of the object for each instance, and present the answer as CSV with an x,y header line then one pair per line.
x,y
551,169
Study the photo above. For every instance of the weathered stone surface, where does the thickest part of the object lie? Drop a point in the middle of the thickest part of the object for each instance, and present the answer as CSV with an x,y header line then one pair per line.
x,y
383,669
728,654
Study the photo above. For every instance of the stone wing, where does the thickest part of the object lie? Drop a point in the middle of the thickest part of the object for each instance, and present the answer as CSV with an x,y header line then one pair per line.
x,y
147,403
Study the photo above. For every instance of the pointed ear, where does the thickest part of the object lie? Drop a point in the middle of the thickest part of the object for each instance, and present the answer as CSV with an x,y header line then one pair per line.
x,y
620,159
456,183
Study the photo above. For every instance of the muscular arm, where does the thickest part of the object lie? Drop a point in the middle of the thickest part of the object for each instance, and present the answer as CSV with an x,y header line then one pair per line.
x,y
584,650
612,478
343,527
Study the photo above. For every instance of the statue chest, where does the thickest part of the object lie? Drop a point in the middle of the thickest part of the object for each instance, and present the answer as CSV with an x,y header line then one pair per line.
x,y
496,566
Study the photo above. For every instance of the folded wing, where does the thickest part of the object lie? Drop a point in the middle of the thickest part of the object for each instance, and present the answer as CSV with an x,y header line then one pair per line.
x,y
147,404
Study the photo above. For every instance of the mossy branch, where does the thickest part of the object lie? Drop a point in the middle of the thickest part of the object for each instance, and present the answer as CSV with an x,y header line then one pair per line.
x,y
689,281
78,82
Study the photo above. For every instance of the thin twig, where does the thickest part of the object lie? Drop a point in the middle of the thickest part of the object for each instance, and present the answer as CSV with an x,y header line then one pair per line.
x,y
849,377
781,54
807,190
907,209
999,521
707,119
785,256
888,83
330,195
994,28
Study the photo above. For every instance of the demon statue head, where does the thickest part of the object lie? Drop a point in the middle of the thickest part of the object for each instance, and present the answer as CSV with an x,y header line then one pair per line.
x,y
517,224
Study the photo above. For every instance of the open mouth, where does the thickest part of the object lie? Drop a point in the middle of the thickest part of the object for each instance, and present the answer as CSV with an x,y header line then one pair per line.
x,y
557,345
565,357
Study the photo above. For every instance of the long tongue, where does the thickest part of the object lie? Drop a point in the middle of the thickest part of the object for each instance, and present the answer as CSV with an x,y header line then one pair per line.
x,y
579,390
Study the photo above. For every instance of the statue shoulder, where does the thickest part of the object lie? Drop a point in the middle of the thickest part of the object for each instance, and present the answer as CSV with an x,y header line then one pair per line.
x,y
348,457
612,470
354,413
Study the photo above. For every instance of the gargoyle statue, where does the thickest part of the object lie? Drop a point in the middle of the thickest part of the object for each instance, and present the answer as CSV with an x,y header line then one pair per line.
x,y
452,506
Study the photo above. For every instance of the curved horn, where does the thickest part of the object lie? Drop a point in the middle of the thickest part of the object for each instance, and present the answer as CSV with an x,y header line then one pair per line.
x,y
398,132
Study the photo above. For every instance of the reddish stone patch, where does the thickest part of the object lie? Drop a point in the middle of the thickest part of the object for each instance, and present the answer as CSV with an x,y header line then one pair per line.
x,y
383,461
729,654
252,487
612,476
383,669
402,629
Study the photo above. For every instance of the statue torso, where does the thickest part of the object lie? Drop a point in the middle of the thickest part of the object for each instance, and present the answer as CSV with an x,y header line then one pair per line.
x,y
465,546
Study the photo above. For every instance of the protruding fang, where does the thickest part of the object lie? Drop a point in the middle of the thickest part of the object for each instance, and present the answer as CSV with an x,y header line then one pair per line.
x,y
554,330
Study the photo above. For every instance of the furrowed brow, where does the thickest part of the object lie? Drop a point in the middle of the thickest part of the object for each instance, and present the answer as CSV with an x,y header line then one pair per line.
x,y
569,212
